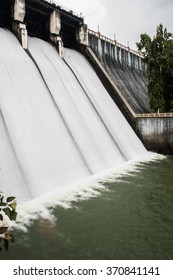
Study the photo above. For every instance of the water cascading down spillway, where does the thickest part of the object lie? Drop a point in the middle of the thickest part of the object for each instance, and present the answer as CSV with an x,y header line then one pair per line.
x,y
57,122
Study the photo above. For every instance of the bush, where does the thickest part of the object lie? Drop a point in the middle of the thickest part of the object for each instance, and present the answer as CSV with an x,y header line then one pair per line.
x,y
7,213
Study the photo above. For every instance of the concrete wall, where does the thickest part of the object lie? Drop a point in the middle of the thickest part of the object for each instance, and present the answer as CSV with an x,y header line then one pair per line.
x,y
127,71
156,133
125,67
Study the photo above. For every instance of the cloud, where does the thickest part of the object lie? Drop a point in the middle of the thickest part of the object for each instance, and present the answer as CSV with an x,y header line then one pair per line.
x,y
94,12
127,19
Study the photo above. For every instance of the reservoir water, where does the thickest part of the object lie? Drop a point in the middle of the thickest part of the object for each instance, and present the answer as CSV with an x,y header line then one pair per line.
x,y
131,218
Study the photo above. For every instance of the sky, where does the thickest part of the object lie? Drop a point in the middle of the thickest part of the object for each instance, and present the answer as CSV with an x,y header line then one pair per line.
x,y
124,20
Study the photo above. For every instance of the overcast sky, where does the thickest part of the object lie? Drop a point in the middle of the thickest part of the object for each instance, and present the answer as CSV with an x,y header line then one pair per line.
x,y
124,18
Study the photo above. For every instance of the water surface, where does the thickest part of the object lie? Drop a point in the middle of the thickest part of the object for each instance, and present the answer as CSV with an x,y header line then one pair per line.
x,y
132,218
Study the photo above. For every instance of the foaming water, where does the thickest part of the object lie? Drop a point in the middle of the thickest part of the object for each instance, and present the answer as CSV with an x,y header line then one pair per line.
x,y
85,189
58,124
131,219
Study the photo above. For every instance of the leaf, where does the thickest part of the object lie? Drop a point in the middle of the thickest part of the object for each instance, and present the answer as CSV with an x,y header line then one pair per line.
x,y
3,204
3,230
13,215
10,237
13,205
10,199
7,212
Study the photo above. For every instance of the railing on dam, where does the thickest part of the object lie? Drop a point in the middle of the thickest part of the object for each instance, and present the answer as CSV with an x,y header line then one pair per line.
x,y
113,42
154,115
62,7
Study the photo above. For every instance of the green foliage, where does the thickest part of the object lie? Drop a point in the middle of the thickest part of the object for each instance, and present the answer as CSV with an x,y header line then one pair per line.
x,y
7,211
158,55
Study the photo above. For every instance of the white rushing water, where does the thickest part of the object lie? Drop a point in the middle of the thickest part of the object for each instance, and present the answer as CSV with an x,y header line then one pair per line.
x,y
58,124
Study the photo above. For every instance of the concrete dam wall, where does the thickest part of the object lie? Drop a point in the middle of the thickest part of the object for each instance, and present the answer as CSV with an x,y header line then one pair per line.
x,y
156,133
125,67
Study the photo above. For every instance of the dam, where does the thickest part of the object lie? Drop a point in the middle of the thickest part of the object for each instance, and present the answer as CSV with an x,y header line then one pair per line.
x,y
59,124
66,113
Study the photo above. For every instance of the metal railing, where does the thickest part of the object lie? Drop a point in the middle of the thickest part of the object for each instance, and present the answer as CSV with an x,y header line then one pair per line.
x,y
154,115
64,8
113,42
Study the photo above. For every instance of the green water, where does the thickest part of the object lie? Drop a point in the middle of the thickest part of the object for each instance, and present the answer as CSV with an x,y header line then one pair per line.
x,y
131,219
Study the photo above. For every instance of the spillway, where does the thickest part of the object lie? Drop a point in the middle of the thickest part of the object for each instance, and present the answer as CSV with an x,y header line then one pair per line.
x,y
58,124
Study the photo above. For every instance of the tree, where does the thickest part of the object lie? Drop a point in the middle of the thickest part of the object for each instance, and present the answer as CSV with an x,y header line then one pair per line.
x,y
158,55
7,213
